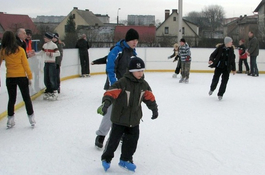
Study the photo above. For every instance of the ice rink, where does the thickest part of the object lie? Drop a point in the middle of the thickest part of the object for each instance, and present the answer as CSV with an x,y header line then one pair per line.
x,y
195,134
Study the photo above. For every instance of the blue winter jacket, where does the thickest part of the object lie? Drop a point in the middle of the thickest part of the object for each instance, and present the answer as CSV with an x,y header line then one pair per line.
x,y
113,55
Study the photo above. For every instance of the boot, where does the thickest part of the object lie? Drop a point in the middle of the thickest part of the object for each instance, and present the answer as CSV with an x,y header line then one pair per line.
x,y
10,121
129,165
99,141
32,120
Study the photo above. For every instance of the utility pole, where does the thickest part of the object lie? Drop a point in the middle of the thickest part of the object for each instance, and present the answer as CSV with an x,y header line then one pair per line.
x,y
118,16
180,20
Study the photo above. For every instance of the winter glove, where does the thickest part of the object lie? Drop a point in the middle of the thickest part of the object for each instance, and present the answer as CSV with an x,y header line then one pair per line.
x,y
30,82
102,110
155,114
57,66
187,58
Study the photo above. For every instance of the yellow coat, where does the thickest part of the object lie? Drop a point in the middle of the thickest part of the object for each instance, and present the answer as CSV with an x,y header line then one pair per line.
x,y
16,64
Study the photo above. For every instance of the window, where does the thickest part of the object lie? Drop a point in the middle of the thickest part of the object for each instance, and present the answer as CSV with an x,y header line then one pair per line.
x,y
166,30
183,30
174,18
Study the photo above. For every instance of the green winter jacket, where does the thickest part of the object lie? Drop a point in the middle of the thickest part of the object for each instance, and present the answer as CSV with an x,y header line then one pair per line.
x,y
126,95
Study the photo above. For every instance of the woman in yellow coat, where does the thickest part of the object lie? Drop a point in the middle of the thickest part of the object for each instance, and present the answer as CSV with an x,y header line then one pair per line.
x,y
18,73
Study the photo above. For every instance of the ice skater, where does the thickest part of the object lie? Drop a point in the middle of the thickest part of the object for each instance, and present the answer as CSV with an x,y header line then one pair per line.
x,y
223,60
176,57
126,96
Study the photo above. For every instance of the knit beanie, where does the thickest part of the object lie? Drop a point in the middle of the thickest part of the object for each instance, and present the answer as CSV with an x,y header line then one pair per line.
x,y
227,39
48,35
136,64
56,35
131,35
183,40
28,32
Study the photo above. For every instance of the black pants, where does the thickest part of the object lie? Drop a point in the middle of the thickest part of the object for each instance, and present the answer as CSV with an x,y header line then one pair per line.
x,y
23,84
225,77
129,143
84,60
245,63
178,67
58,79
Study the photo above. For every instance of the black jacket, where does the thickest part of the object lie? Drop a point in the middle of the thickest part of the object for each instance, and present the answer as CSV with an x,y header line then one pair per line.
x,y
215,57
22,44
253,46
126,94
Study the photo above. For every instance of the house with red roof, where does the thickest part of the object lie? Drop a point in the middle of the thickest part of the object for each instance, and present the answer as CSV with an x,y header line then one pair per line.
x,y
12,22
147,34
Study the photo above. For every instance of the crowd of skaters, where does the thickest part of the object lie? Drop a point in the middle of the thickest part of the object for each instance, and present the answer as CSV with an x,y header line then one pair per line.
x,y
124,74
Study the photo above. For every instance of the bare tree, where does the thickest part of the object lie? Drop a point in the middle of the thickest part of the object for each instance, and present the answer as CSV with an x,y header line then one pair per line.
x,y
215,15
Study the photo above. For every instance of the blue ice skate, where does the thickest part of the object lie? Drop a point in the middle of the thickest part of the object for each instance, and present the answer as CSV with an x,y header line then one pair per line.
x,y
127,165
105,165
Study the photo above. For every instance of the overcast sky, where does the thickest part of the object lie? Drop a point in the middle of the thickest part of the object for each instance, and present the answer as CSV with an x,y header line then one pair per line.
x,y
233,8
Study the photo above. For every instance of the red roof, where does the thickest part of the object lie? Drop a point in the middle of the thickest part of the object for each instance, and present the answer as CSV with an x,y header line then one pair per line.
x,y
147,34
13,22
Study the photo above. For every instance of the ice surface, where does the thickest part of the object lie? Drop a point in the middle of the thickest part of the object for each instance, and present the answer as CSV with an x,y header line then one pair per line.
x,y
195,134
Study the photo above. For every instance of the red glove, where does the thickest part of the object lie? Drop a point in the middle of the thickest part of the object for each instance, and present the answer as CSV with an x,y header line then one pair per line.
x,y
187,58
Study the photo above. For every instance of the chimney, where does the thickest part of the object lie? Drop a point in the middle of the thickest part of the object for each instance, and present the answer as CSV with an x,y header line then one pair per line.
x,y
86,9
75,8
174,10
166,14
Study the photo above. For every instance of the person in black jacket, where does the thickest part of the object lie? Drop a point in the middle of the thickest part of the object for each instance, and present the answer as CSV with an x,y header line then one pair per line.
x,y
21,36
253,52
223,60
126,96
83,47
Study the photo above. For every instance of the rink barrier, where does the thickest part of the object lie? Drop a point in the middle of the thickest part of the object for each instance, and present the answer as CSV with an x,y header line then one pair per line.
x,y
155,60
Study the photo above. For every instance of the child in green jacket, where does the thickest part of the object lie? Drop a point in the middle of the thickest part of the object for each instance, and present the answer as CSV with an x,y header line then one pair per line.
x,y
126,96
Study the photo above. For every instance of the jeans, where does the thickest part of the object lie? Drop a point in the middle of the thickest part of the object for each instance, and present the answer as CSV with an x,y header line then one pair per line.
x,y
185,69
253,65
23,84
50,78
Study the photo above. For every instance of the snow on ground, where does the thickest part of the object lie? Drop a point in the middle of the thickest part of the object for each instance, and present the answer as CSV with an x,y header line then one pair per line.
x,y
194,135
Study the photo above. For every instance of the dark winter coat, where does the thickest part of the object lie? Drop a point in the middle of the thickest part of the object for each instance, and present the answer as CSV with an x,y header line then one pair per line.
x,y
83,47
126,95
58,59
22,44
253,46
101,60
217,55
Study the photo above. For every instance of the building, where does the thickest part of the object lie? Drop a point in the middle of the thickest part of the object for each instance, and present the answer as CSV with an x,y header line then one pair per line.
x,y
141,20
103,18
167,32
260,10
239,28
13,22
147,34
82,18
48,19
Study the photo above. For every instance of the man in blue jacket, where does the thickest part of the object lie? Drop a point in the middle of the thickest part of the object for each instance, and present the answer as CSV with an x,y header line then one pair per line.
x,y
117,63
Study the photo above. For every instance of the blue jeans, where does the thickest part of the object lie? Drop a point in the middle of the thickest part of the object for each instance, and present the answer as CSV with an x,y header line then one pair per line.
x,y
50,78
253,65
